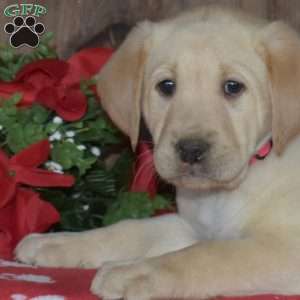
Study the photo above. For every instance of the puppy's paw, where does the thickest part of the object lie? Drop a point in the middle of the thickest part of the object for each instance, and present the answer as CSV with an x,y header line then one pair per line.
x,y
54,250
27,250
134,281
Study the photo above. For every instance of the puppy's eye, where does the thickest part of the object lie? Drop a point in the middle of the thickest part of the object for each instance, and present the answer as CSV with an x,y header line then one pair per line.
x,y
166,87
233,88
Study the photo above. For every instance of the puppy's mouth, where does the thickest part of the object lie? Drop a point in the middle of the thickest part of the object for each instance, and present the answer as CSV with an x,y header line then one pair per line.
x,y
197,180
218,169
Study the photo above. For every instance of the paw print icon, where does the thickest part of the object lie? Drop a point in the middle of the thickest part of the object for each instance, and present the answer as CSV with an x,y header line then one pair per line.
x,y
24,31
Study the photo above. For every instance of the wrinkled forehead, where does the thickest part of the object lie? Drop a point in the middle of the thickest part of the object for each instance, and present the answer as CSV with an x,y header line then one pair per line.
x,y
205,49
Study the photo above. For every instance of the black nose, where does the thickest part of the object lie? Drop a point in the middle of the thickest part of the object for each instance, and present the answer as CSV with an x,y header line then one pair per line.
x,y
192,151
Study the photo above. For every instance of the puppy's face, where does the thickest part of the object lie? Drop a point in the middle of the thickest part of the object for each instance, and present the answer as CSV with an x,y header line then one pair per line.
x,y
207,105
211,87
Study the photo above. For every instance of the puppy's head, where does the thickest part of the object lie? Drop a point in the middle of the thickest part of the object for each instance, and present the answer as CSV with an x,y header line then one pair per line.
x,y
212,87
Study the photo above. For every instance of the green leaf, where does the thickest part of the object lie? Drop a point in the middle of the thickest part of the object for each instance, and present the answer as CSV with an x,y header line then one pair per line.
x,y
6,72
88,135
33,133
77,125
122,169
94,109
11,62
101,182
99,124
160,202
15,138
19,137
52,127
7,55
13,67
40,114
47,37
6,77
84,164
43,50
6,120
21,60
16,98
71,220
66,154
100,131
10,111
24,116
107,137
134,206
13,100
58,198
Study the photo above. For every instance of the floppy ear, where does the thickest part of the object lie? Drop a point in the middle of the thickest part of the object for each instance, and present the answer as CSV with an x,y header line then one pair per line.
x,y
120,81
281,46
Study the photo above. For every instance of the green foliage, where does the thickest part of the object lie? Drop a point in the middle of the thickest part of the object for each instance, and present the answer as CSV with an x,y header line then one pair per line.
x,y
11,62
68,156
84,148
25,126
134,206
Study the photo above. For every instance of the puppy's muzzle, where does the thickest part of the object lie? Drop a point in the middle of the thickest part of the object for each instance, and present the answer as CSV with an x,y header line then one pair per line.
x,y
192,151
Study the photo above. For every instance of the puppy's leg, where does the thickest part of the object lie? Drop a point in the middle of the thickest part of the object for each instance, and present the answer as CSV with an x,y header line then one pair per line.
x,y
127,240
205,270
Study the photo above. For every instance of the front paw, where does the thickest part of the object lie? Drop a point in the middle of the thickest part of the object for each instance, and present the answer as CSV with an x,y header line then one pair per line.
x,y
133,281
55,250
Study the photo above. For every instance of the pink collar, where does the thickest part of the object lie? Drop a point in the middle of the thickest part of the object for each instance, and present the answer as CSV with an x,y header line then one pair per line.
x,y
262,153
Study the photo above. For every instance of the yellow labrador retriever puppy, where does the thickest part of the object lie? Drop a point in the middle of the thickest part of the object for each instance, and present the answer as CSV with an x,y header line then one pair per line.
x,y
213,87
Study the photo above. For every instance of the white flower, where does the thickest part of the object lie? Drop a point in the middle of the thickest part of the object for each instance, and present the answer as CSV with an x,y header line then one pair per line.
x,y
54,167
48,164
57,120
1,127
96,151
76,196
81,147
85,207
70,133
56,136
70,140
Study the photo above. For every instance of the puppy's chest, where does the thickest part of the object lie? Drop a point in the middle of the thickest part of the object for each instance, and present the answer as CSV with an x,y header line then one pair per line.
x,y
215,217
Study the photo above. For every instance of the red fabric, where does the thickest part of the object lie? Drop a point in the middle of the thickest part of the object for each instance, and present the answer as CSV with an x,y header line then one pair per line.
x,y
65,284
145,175
263,152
